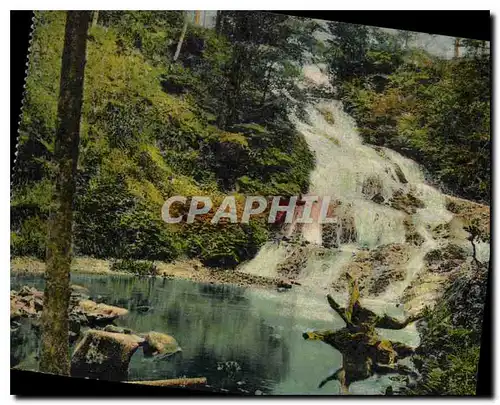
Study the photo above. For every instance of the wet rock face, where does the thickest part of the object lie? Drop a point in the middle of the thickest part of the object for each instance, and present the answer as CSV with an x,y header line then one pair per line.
x,y
376,269
104,355
413,237
378,198
405,202
372,187
442,231
338,233
399,173
468,212
445,259
292,266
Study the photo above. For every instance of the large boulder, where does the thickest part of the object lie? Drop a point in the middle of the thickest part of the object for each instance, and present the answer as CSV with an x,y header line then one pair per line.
x,y
160,344
100,314
104,355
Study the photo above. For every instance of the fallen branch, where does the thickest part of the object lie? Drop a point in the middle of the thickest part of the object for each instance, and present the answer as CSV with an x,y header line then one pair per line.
x,y
337,308
174,382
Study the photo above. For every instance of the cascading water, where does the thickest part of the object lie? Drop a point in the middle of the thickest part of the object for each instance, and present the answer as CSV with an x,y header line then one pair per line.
x,y
362,179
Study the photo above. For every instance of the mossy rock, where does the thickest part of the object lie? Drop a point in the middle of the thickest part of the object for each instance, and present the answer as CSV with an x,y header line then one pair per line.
x,y
104,355
160,344
328,116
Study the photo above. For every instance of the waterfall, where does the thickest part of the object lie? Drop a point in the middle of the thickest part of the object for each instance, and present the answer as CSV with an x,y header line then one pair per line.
x,y
363,179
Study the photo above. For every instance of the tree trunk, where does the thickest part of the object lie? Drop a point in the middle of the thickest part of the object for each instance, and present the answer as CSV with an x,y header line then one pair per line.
x,y
95,18
181,39
218,22
267,80
55,347
457,47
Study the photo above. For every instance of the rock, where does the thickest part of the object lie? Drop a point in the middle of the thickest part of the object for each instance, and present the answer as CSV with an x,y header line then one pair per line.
x,y
295,262
29,291
77,319
469,212
275,339
117,329
411,234
99,314
378,198
160,344
445,259
405,202
284,284
258,392
372,186
400,174
99,299
342,231
376,269
28,302
79,290
104,355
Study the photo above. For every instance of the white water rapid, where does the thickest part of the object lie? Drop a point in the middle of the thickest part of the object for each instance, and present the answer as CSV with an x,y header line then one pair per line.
x,y
355,175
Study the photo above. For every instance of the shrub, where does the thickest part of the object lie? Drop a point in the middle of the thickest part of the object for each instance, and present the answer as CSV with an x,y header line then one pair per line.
x,y
137,267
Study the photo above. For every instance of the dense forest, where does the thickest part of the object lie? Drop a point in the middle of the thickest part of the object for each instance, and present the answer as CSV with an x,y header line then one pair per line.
x,y
433,110
211,122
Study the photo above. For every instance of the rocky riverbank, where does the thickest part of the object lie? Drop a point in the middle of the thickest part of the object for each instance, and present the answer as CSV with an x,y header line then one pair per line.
x,y
101,350
187,269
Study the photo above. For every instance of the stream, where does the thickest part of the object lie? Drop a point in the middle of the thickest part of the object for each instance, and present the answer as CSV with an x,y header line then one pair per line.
x,y
243,340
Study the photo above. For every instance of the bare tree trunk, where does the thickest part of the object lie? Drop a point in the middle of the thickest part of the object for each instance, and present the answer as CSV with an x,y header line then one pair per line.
x,y
218,22
457,47
55,346
181,39
95,18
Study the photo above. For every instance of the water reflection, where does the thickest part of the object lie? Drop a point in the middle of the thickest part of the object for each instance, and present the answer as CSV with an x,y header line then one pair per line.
x,y
242,340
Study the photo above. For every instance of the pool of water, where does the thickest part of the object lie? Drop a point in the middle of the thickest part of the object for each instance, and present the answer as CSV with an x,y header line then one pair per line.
x,y
243,340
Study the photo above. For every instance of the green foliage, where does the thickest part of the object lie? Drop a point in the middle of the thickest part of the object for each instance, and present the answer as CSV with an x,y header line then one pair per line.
x,y
225,245
152,128
433,110
448,355
449,359
139,268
